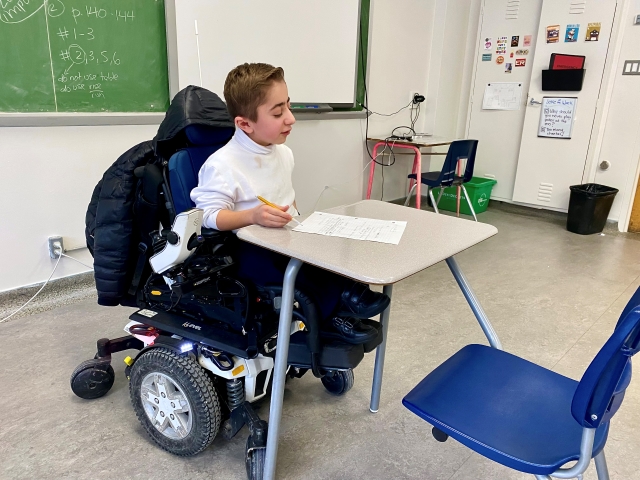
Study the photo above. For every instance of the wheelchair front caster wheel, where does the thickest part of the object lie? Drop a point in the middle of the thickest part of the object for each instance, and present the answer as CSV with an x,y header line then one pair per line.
x,y
338,382
92,379
439,435
254,460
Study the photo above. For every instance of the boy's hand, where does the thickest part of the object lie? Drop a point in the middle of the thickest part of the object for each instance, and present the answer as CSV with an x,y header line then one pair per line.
x,y
270,217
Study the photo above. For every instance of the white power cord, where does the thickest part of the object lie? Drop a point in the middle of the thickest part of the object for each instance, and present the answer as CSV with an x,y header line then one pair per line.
x,y
60,255
332,187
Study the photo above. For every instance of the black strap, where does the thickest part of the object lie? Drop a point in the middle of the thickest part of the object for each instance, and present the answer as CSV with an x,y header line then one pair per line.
x,y
142,261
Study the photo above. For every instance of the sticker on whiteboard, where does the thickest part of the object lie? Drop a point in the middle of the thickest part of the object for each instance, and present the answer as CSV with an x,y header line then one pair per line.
x,y
486,57
593,32
521,62
572,33
488,42
527,41
553,33
500,60
508,67
515,40
556,117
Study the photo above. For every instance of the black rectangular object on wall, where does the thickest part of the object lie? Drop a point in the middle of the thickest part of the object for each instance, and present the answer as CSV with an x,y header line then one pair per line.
x,y
563,80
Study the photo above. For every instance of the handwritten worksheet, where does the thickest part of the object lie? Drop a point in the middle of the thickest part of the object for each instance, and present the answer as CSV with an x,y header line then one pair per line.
x,y
357,228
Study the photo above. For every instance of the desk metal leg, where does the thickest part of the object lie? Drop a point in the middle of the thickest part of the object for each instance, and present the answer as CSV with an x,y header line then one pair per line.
x,y
379,366
280,367
486,326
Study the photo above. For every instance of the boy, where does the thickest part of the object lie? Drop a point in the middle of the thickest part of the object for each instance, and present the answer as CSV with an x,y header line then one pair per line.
x,y
256,162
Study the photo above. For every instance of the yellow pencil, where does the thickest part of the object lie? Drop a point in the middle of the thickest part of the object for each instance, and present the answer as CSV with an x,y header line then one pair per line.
x,y
267,202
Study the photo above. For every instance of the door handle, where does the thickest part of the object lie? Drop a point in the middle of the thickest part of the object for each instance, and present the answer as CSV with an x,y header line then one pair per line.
x,y
534,102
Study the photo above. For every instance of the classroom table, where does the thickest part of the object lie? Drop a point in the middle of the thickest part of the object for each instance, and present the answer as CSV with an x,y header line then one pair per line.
x,y
428,239
415,144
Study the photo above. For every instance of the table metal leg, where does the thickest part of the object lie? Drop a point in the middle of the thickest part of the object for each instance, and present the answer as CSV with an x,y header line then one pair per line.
x,y
486,326
280,367
379,365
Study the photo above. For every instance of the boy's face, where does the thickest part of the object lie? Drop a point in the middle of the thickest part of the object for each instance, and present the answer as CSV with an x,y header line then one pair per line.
x,y
274,118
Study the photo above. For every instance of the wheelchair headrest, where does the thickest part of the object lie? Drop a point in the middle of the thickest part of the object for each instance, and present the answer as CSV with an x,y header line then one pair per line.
x,y
202,135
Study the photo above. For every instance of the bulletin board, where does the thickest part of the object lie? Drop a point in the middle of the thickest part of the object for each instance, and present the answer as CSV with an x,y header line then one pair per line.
x,y
557,116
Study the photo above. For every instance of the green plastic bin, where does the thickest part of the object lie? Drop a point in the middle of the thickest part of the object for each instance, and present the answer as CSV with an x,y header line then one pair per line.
x,y
479,190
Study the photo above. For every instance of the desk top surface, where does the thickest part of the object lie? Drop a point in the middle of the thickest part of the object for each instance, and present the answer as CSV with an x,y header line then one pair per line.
x,y
419,141
428,239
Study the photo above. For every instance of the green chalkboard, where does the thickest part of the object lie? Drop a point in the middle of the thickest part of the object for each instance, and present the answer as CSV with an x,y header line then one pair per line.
x,y
83,56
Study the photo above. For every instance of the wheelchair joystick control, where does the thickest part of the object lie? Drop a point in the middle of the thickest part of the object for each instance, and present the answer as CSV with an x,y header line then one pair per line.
x,y
172,237
186,225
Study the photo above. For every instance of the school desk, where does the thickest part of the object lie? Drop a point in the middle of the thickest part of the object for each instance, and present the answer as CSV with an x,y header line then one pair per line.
x,y
418,142
428,239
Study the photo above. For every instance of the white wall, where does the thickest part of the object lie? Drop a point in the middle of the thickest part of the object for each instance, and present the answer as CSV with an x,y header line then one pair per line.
x,y
49,173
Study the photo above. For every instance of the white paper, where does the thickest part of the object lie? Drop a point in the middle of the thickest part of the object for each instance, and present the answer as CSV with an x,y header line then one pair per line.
x,y
502,96
357,228
556,117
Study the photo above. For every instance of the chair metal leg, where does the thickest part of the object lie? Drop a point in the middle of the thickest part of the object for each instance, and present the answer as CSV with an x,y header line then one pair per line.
x,y
440,195
466,195
543,477
601,466
433,200
406,202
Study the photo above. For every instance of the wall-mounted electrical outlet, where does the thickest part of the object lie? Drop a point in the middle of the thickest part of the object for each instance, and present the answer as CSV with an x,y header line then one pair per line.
x,y
416,97
55,246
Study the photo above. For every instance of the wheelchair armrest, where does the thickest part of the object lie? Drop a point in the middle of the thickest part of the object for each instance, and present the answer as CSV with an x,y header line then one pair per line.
x,y
211,234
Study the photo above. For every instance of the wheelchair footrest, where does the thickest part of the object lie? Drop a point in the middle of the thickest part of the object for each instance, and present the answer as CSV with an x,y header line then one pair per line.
x,y
335,355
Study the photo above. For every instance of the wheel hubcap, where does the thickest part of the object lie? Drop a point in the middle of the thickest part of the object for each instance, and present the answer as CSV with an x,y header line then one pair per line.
x,y
166,405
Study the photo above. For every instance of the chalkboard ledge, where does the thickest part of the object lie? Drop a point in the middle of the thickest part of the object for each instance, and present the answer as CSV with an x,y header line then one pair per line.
x,y
78,119
97,119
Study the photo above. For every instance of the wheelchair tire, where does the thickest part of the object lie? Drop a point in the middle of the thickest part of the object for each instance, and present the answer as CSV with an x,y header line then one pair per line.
x,y
175,401
254,461
338,382
92,379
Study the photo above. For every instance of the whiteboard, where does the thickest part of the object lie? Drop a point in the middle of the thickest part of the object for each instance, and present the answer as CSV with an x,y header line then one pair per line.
x,y
556,117
502,96
316,42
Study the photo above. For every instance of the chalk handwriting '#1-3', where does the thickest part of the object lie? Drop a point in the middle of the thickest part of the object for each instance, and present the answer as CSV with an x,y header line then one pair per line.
x,y
86,70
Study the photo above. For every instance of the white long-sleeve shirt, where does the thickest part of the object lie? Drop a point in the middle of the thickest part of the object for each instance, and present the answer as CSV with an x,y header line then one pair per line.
x,y
235,174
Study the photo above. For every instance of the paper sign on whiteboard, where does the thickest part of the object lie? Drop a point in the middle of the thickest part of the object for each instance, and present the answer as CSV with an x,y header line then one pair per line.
x,y
502,96
556,117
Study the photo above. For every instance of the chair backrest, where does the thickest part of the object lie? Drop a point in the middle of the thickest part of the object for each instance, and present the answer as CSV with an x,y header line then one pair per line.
x,y
459,149
602,387
185,164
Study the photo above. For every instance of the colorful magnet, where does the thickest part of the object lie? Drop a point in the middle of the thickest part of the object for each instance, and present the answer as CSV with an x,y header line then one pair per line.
x,y
488,42
511,54
521,62
553,33
500,60
515,40
486,57
593,32
501,47
527,41
508,68
572,33
522,51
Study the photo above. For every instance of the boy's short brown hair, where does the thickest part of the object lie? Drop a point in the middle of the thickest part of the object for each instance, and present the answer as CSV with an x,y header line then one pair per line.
x,y
245,88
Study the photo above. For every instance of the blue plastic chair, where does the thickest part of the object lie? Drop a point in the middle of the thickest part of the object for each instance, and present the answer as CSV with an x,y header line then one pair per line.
x,y
524,416
185,164
458,150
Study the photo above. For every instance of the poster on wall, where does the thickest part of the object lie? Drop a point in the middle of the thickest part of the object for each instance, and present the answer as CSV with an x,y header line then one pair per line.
x,y
571,34
553,33
593,32
556,117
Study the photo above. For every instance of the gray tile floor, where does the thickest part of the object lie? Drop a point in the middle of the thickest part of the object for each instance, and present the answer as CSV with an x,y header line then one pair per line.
x,y
553,298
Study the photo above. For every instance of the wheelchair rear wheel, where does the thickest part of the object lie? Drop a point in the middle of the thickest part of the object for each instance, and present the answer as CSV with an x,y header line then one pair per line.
x,y
175,401
338,382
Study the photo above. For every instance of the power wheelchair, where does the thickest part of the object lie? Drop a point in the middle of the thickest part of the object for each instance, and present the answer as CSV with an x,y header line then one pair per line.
x,y
206,340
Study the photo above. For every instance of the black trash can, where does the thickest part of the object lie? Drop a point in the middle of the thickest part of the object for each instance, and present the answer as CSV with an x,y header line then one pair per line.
x,y
589,207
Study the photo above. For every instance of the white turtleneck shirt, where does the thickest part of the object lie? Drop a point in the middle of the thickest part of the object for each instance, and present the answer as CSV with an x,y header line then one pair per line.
x,y
234,175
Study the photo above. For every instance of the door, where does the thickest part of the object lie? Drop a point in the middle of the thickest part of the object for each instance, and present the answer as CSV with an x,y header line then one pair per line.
x,y
548,166
498,131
